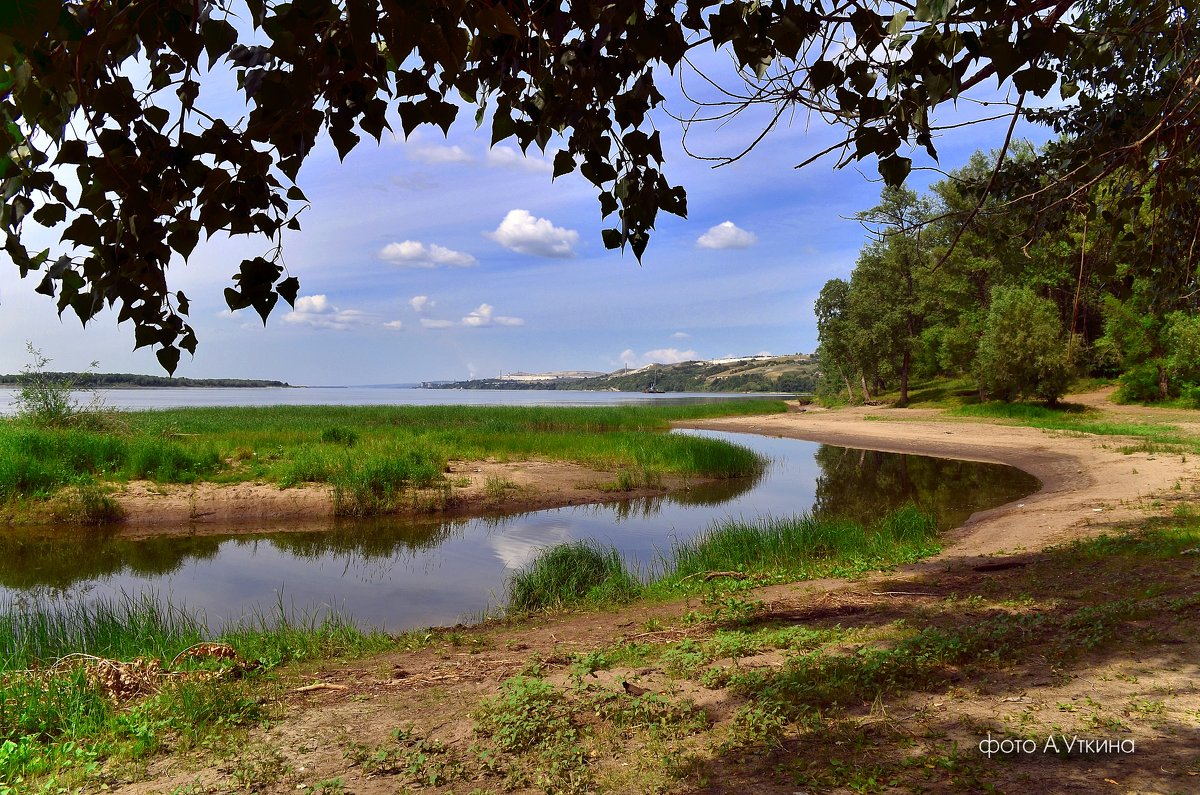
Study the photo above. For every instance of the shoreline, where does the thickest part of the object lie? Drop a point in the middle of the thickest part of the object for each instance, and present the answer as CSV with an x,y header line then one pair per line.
x,y
1087,484
474,489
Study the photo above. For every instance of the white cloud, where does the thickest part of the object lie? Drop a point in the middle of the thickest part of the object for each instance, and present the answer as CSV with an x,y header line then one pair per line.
x,y
680,335
415,254
438,154
483,317
525,234
428,322
656,356
420,303
316,311
727,235
508,157
395,325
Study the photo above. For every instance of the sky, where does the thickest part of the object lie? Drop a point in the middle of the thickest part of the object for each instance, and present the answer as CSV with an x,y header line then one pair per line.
x,y
439,258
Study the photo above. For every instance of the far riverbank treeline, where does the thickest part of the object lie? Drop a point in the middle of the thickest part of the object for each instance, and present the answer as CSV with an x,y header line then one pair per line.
x,y
119,380
1001,277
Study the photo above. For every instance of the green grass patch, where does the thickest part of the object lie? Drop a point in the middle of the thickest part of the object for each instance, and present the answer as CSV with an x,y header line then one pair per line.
x,y
59,727
804,546
569,575
1154,437
370,454
774,549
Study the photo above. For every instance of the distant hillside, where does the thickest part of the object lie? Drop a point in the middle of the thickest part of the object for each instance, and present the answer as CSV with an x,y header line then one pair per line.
x,y
126,380
753,374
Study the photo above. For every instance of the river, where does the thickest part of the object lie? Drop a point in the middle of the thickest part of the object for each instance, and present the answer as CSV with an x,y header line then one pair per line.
x,y
402,574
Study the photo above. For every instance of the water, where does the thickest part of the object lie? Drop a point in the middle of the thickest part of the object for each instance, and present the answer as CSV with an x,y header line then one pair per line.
x,y
402,574
175,397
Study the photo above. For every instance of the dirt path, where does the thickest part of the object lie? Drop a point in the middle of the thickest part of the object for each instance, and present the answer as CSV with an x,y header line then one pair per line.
x,y
1088,485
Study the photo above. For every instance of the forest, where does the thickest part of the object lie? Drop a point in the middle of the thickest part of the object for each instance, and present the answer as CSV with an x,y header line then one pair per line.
x,y
1018,289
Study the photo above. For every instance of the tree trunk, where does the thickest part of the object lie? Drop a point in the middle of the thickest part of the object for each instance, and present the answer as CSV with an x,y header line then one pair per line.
x,y
866,392
1164,385
905,366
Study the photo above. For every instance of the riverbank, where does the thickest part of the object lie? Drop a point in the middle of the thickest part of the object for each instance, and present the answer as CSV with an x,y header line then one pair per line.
x,y
883,684
1090,482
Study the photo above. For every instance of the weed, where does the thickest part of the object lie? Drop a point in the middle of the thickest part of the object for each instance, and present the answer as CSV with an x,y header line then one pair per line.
x,y
495,489
86,503
755,727
659,716
531,718
338,434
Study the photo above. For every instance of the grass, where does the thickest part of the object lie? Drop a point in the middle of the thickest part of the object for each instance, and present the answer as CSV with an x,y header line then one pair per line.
x,y
567,575
804,546
370,455
1078,419
86,686
768,549
836,704
826,714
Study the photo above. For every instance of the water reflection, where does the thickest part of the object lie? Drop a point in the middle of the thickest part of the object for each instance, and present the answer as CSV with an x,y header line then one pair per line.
x,y
401,574
863,484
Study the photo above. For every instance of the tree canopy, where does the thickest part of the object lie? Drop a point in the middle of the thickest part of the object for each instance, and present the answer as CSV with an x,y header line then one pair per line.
x,y
107,135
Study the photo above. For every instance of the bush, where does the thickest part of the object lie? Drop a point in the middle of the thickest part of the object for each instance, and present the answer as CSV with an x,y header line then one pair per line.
x,y
47,400
1140,384
1022,352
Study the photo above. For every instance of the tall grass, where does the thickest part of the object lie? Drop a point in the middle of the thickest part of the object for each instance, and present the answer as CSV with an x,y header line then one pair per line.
x,y
583,572
368,453
120,628
795,547
146,625
804,545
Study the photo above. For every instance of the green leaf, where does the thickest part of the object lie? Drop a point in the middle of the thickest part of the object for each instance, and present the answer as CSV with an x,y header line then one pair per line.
x,y
156,116
612,238
50,214
235,300
896,26
144,335
1036,80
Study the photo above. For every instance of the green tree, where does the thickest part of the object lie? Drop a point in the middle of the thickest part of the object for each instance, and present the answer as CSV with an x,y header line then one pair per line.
x,y
889,285
108,137
1022,352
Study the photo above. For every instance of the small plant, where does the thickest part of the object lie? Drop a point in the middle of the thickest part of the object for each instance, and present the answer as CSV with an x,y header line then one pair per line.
x,y
47,400
497,488
86,503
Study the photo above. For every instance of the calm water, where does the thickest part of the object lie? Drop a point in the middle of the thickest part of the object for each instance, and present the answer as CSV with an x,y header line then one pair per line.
x,y
167,397
405,574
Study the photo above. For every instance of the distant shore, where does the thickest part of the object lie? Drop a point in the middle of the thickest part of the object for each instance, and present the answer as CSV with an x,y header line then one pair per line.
x,y
139,381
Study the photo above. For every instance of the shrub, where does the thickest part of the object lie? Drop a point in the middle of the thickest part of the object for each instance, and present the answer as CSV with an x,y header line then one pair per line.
x,y
1022,352
47,400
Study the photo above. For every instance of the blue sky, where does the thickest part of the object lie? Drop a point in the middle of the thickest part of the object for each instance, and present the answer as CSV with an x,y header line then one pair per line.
x,y
437,258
